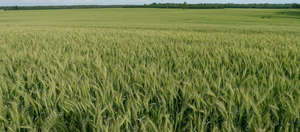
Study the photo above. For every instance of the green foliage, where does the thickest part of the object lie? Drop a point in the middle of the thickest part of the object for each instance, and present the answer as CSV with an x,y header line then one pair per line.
x,y
185,5
58,7
219,6
149,70
161,5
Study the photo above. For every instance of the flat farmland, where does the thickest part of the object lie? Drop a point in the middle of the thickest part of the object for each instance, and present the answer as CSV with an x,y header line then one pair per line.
x,y
120,69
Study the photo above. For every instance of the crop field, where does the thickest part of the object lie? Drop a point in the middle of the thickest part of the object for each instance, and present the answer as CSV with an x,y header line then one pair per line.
x,y
155,70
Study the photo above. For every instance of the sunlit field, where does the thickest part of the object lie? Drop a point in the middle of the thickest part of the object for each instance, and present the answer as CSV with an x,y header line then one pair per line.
x,y
155,70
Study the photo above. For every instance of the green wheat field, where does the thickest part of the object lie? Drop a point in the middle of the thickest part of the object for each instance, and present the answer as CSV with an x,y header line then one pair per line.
x,y
155,70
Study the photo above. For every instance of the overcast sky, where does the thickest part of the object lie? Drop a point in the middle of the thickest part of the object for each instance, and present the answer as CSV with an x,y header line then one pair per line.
x,y
108,2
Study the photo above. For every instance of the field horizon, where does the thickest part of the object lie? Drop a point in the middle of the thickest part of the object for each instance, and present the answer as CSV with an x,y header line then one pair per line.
x,y
137,69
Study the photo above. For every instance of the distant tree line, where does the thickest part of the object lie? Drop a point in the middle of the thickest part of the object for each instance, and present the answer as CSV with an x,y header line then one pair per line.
x,y
57,7
219,6
160,5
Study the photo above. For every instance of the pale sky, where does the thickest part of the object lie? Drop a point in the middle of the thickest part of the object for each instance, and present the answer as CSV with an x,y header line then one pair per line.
x,y
116,2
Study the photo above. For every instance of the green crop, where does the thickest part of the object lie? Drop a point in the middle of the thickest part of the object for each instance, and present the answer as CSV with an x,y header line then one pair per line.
x,y
150,70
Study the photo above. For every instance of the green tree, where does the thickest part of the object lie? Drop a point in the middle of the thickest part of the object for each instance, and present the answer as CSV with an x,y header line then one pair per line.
x,y
295,5
185,5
